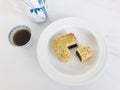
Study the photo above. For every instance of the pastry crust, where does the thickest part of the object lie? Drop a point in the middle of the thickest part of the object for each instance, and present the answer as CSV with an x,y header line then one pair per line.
x,y
84,53
61,46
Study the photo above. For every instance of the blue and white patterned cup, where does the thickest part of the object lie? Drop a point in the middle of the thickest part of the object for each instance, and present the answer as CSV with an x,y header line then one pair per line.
x,y
20,36
36,9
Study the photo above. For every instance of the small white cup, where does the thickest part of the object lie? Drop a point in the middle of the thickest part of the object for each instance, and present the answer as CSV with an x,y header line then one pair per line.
x,y
20,36
35,9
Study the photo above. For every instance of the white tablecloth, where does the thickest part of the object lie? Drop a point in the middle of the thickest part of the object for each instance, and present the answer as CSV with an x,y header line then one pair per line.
x,y
19,68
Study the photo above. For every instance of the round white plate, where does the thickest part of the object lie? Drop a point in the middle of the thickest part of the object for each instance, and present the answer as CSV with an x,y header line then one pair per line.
x,y
71,72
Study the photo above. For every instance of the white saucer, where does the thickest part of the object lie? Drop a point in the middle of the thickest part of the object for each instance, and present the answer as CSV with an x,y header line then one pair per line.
x,y
72,72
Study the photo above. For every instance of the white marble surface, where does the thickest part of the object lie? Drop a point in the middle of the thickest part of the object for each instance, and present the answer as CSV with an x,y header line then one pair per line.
x,y
19,68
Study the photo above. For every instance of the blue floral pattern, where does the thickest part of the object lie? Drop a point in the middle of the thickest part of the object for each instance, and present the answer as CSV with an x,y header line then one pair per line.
x,y
40,2
45,12
35,10
42,8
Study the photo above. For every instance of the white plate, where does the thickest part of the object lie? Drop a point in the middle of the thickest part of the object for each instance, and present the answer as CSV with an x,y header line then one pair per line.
x,y
72,72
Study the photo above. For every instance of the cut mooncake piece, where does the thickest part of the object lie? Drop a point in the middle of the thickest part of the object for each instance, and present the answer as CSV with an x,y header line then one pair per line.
x,y
62,45
84,53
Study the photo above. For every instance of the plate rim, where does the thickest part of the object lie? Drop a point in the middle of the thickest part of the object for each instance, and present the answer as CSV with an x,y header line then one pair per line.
x,y
102,40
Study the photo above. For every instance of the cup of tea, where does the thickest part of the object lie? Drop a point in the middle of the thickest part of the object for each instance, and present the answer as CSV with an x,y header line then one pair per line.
x,y
20,36
35,9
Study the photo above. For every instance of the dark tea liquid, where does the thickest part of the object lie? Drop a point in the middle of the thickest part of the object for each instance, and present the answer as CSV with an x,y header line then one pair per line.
x,y
21,37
